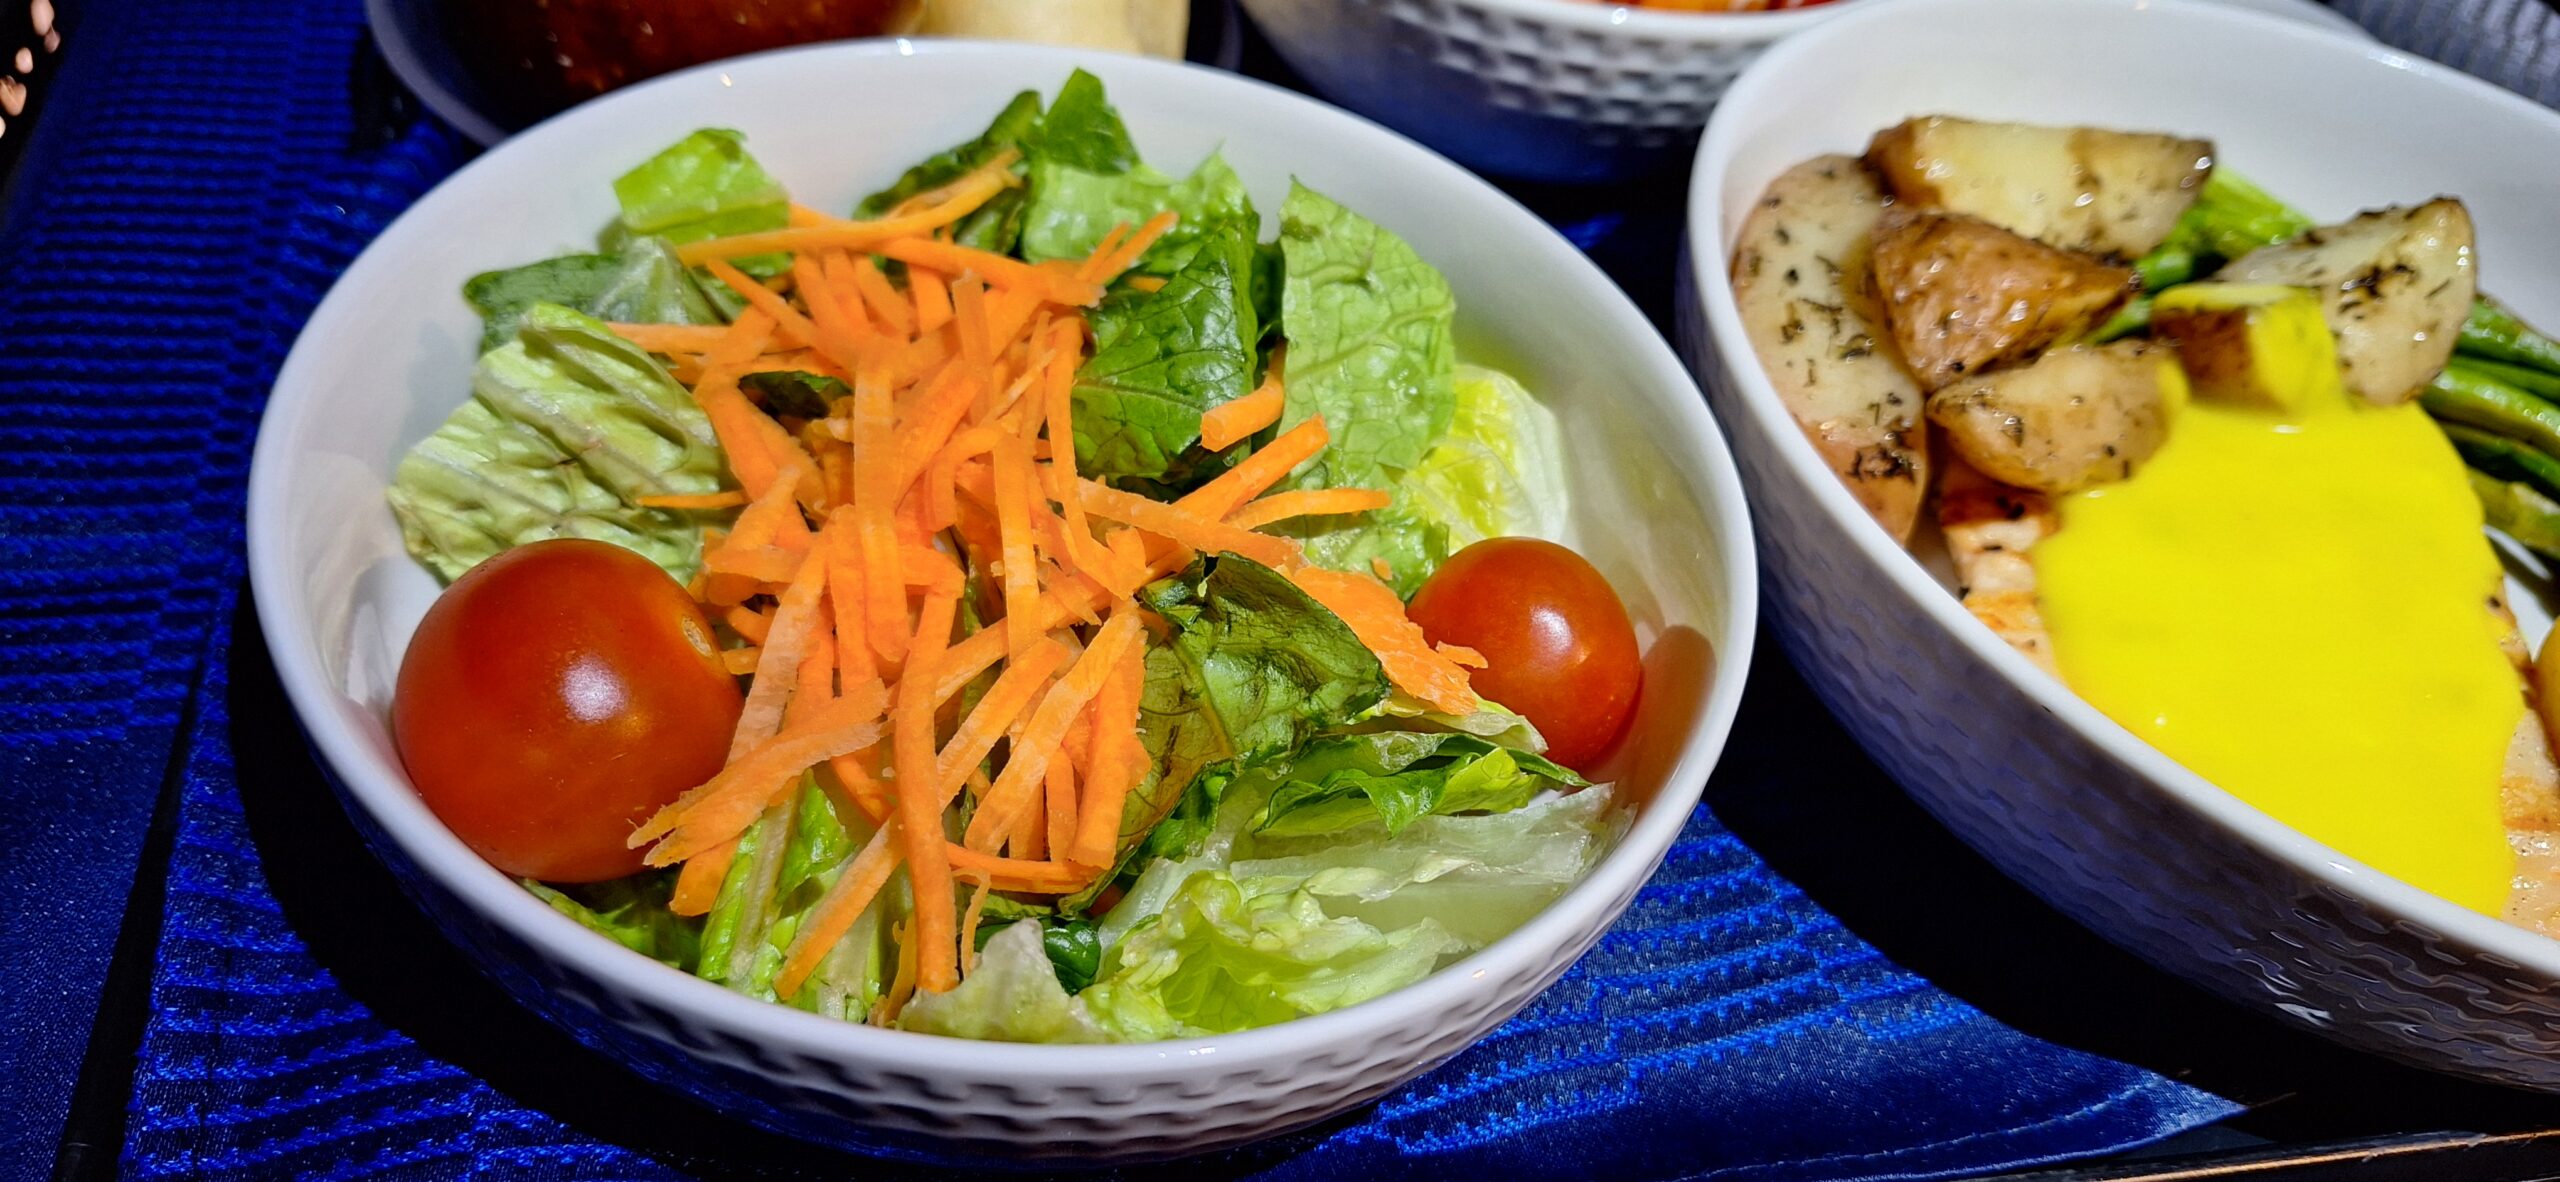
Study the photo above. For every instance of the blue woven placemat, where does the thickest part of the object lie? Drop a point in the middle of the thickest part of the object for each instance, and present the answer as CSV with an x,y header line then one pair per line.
x,y
204,173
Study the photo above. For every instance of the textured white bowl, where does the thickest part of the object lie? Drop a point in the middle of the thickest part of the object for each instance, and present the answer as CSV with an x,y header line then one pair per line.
x,y
1548,90
2073,805
388,355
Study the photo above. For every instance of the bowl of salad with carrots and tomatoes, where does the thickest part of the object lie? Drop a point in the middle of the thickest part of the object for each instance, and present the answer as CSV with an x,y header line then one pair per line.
x,y
987,636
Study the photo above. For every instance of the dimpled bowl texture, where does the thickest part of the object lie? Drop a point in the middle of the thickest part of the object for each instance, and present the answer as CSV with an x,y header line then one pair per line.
x,y
2063,799
389,353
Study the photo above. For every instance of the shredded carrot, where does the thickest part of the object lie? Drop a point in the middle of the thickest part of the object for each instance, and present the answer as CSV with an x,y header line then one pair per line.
x,y
748,622
969,922
1114,763
836,336
894,312
932,298
1380,567
758,449
1125,255
744,341
1146,283
1234,421
1462,655
698,883
995,713
786,320
962,197
671,338
1377,617
756,564
841,553
836,911
1219,499
1002,270
1308,502
1029,759
728,499
884,603
722,807
1060,831
919,814
936,413
1013,521
740,661
758,528
1171,521
902,983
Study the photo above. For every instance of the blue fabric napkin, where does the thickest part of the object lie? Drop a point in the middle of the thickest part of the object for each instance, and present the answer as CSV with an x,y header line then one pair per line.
x,y
204,175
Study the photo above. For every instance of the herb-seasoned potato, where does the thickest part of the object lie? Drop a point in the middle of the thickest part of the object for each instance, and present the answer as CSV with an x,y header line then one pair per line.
x,y
2078,417
2395,285
2078,188
2261,345
1802,285
1964,295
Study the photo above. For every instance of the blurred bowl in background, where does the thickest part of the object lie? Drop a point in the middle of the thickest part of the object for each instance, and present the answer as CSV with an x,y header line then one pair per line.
x,y
492,68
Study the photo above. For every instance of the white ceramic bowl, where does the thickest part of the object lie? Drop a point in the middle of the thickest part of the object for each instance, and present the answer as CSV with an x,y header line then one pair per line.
x,y
2073,805
388,355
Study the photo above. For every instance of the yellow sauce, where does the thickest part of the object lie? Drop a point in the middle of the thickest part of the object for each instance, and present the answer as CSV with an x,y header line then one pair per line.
x,y
2295,609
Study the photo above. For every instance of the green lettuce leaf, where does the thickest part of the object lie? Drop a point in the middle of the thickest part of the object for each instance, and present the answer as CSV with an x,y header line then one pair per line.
x,y
1498,472
702,186
1072,209
1411,545
1012,995
1075,951
643,283
1395,778
997,225
1219,958
1163,358
1369,326
1274,666
784,865
1082,130
568,425
633,911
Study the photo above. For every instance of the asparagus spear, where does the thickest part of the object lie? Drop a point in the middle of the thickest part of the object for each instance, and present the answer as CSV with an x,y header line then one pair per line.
x,y
2519,511
2506,459
2462,394
2494,333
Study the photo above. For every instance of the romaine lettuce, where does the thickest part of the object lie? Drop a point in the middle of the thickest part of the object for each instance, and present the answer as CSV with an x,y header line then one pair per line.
x,y
1012,995
1274,666
568,425
1394,778
1072,209
1498,472
633,912
1163,358
1370,346
997,225
702,186
643,283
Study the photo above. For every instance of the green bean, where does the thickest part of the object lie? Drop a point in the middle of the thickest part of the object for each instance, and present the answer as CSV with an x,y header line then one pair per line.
x,y
2519,512
2465,396
2133,317
2494,333
2504,458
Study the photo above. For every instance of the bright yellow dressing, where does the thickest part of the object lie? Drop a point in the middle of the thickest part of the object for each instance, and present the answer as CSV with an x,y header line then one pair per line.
x,y
2296,610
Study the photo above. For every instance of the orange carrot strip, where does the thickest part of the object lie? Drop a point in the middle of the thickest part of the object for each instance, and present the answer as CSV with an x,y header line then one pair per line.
x,y
748,623
932,298
698,883
884,604
727,499
942,477
836,337
1378,566
1021,572
758,527
1058,388
816,683
759,451
1170,521
919,814
1114,764
1041,737
1234,421
840,550
1377,617
937,412
722,807
784,650
740,661
819,232
892,310
835,269
755,564
745,339
1111,241
1106,268
969,322
1004,704
1146,283
844,902
671,338
1015,874
1219,499
969,921
1308,502
1462,655
786,320
1050,285
1059,830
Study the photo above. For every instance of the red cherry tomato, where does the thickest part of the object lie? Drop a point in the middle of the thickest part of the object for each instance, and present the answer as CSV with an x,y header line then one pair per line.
x,y
1557,644
553,698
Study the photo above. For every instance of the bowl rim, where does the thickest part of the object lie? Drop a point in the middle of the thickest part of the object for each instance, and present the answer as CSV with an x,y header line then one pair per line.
x,y
1617,17
2316,860
377,786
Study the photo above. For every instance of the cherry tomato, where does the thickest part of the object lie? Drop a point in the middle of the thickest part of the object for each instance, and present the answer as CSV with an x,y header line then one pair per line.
x,y
553,698
1557,644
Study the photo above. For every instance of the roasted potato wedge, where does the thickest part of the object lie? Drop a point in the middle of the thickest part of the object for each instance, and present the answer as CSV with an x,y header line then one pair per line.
x,y
2394,283
2256,345
1963,295
2077,417
1802,284
2078,188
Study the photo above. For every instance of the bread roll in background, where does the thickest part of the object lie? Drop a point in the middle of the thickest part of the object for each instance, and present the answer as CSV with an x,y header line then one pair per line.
x,y
1153,27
